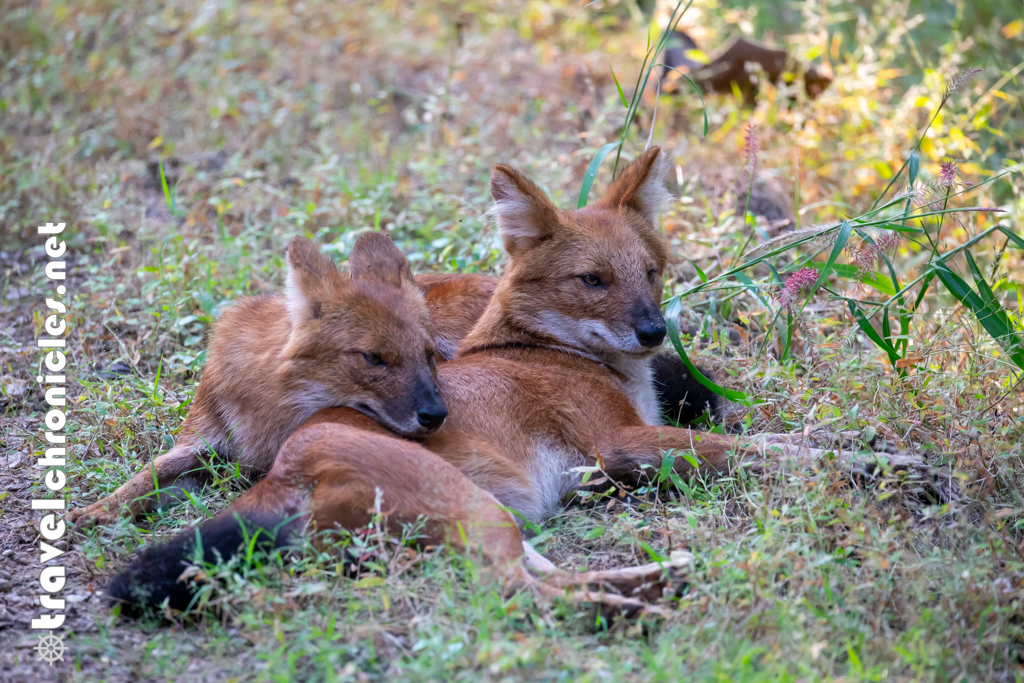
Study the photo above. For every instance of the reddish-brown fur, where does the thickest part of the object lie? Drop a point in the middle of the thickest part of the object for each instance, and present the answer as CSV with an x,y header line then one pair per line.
x,y
551,378
554,376
276,360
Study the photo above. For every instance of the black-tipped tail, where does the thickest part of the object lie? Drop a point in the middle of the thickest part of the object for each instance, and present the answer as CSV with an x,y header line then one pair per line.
x,y
153,574
680,396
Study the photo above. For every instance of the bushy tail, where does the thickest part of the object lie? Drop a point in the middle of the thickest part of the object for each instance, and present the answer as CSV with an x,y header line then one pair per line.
x,y
153,575
680,396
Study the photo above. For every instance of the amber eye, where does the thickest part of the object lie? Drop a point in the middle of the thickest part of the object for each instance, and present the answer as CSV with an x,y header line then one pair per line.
x,y
374,359
591,280
652,274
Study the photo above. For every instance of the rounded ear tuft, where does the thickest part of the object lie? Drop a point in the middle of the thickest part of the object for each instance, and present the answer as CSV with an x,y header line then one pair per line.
x,y
312,278
524,214
641,185
375,257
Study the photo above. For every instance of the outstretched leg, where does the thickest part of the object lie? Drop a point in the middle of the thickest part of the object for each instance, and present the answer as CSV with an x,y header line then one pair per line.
x,y
349,466
138,494
635,453
328,476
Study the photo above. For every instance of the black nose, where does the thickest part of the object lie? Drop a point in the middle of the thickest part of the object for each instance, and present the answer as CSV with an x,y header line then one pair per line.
x,y
650,333
432,417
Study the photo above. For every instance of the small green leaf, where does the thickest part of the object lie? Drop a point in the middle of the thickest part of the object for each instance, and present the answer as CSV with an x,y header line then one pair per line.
x,y
667,461
912,167
595,533
690,458
700,273
655,555
841,239
588,177
622,95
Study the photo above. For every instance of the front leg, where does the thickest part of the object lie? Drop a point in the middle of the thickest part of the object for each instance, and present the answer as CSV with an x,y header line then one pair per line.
x,y
138,494
634,453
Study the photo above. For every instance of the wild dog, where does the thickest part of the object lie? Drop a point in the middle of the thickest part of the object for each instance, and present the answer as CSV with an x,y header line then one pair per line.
x,y
243,412
361,339
555,376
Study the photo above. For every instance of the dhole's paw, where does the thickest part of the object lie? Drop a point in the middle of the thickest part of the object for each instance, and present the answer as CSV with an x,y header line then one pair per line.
x,y
96,514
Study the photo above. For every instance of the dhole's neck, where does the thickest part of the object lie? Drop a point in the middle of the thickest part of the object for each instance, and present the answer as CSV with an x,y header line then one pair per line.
x,y
498,328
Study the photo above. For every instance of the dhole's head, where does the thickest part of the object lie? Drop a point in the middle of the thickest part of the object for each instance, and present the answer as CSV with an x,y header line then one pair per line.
x,y
362,339
591,278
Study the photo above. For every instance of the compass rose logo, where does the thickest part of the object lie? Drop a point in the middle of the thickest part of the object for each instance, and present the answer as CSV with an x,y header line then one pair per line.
x,y
50,648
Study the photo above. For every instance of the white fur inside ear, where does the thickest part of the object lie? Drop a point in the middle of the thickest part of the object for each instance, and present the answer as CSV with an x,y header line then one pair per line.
x,y
299,309
520,225
653,194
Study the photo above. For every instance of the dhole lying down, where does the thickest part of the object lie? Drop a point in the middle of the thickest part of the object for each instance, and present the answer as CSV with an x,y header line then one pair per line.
x,y
274,361
380,285
271,366
554,376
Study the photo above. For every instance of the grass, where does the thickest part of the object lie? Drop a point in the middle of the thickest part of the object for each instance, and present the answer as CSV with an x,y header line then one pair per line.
x,y
184,146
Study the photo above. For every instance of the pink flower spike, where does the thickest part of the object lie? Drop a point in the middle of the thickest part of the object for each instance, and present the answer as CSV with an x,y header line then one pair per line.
x,y
805,277
948,175
750,147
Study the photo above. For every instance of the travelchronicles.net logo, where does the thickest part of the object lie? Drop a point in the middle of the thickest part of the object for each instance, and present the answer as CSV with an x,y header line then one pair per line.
x,y
53,377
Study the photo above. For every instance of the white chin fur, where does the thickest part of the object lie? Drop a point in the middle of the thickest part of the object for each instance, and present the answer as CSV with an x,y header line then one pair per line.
x,y
409,427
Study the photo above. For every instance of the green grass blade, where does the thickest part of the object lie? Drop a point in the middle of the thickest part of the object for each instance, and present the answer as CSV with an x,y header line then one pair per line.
x,y
588,177
752,288
167,192
848,271
924,290
1014,237
841,239
991,303
671,313
901,228
703,107
700,273
645,74
622,95
871,333
997,326
901,307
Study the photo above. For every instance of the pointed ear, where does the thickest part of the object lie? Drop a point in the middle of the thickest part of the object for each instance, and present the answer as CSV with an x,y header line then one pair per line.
x,y
376,257
641,186
524,214
312,280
